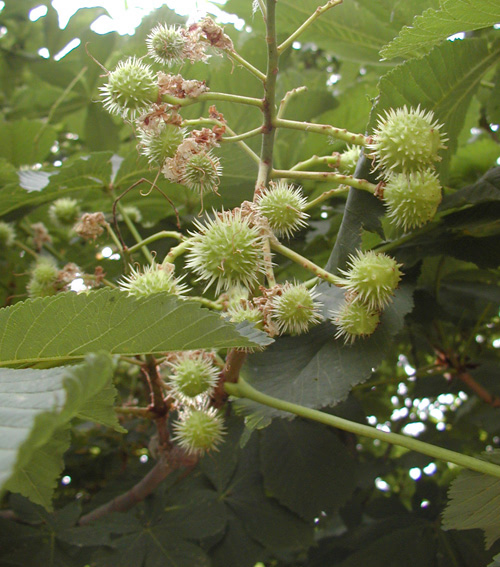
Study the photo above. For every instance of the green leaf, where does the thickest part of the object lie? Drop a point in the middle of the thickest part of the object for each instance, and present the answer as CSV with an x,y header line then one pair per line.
x,y
435,25
473,502
36,407
485,189
443,81
25,142
68,326
89,172
316,370
298,454
355,31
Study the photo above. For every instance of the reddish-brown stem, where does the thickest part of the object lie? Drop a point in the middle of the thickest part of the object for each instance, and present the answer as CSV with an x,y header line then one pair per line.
x,y
480,391
159,406
175,459
230,373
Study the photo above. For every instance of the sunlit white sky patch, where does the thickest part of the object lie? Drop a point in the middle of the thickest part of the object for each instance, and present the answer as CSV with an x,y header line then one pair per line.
x,y
126,15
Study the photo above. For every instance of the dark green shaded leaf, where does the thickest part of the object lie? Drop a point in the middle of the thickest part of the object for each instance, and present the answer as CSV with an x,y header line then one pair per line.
x,y
473,503
300,454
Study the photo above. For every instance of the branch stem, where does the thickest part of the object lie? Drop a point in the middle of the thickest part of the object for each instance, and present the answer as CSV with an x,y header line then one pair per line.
x,y
314,16
243,390
325,176
326,129
153,238
212,96
305,263
243,62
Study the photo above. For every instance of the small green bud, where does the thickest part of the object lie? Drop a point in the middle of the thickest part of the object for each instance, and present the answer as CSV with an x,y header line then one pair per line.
x,y
202,172
295,309
407,140
7,234
371,278
348,160
152,279
283,206
131,88
193,374
44,277
64,212
354,320
412,200
199,430
166,44
227,250
160,142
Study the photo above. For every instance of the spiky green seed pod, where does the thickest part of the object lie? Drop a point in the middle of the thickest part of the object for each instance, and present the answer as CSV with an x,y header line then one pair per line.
x,y
354,320
227,250
7,234
199,430
193,374
407,140
152,279
246,312
412,200
166,44
64,212
160,143
43,279
283,206
349,159
131,88
371,278
202,172
295,310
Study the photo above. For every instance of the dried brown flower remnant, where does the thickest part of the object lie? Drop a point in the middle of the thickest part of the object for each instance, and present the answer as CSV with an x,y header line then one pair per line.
x,y
179,87
90,225
40,235
215,34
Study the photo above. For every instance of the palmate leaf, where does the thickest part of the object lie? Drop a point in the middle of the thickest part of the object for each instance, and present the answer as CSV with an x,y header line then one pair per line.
x,y
25,142
473,502
298,454
435,25
68,326
36,407
443,81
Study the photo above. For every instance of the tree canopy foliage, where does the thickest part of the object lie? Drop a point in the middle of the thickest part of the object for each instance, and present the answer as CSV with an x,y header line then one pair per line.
x,y
324,443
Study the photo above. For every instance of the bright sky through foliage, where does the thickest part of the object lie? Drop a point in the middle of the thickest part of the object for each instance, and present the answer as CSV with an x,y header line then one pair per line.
x,y
126,15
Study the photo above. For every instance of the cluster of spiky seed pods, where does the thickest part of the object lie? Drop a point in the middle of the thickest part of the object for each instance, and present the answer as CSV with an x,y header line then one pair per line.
x,y
230,250
405,147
